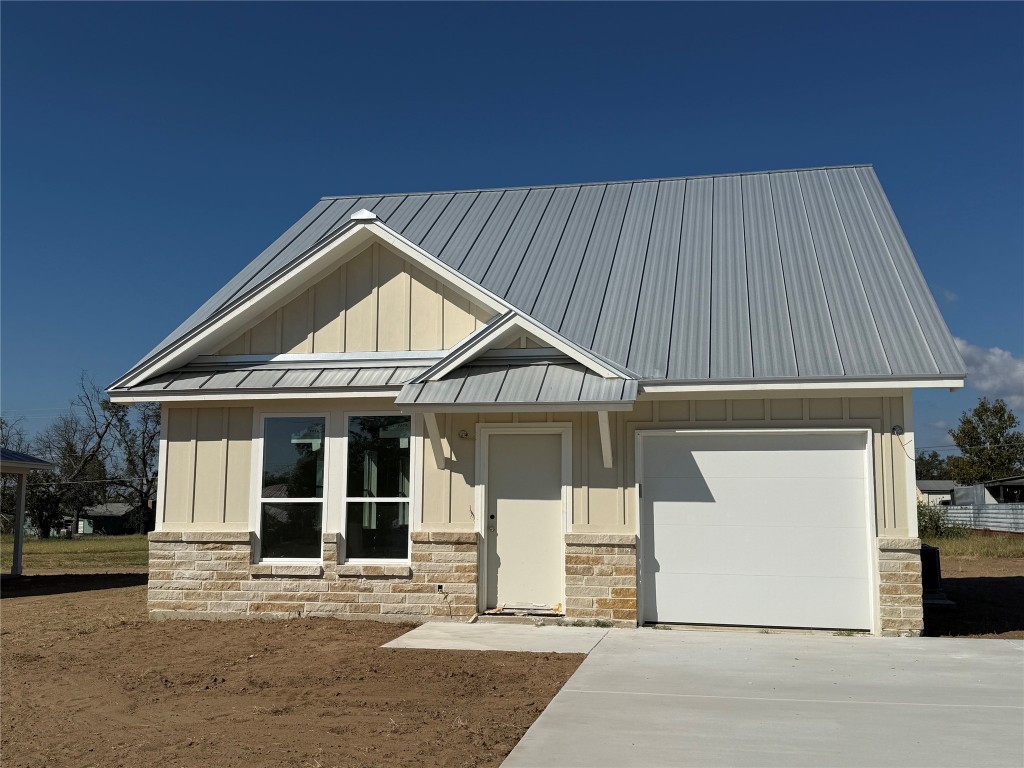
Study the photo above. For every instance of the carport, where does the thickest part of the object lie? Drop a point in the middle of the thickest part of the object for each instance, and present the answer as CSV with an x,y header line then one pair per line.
x,y
20,464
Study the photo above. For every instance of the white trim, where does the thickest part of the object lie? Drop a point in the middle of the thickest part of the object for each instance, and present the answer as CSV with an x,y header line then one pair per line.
x,y
606,438
489,334
483,435
782,386
256,493
161,476
869,496
414,499
304,269
434,438
316,359
910,473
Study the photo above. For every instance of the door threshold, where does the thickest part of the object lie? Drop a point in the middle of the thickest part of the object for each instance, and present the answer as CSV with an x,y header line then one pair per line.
x,y
525,611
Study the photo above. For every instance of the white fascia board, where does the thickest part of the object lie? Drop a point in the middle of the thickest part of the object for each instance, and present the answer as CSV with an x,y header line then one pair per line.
x,y
485,339
781,386
325,255
252,394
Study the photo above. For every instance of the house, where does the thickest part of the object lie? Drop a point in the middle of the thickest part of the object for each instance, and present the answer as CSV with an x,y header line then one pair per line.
x,y
680,400
1007,490
115,518
21,465
935,491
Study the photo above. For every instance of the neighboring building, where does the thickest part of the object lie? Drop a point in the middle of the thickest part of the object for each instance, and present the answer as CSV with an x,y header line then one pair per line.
x,y
1007,490
935,492
21,465
682,400
115,518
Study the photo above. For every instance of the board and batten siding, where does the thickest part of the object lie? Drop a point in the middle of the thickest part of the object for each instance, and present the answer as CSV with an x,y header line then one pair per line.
x,y
208,457
208,465
604,500
365,305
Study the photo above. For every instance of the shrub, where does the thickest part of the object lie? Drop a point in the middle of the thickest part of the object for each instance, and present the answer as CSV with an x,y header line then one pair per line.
x,y
932,523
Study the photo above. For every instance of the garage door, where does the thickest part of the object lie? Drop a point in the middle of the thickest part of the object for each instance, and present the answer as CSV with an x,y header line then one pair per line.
x,y
766,529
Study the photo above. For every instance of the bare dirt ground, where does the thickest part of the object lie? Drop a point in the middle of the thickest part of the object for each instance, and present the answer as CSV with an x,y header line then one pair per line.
x,y
87,680
989,597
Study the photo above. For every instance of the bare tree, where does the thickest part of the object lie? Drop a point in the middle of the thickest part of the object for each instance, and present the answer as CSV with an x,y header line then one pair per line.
x,y
134,448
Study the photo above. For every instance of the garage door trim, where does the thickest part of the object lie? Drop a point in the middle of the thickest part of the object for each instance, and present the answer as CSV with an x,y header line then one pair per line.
x,y
869,496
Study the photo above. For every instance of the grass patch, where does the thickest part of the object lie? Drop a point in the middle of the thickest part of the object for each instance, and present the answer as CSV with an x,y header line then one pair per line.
x,y
975,546
99,552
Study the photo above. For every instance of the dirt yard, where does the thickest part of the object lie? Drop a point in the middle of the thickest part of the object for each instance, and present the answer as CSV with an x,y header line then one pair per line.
x,y
989,597
88,681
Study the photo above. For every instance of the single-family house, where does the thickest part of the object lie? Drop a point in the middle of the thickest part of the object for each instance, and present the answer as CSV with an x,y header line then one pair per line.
x,y
935,491
680,400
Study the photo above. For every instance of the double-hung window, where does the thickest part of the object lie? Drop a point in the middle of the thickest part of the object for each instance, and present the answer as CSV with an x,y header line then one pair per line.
x,y
292,487
378,483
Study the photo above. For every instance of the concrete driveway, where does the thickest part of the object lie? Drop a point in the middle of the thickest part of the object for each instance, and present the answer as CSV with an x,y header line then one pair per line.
x,y
678,698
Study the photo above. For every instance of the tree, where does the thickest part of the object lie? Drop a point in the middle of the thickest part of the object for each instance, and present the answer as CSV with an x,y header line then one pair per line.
x,y
134,451
76,443
931,466
989,443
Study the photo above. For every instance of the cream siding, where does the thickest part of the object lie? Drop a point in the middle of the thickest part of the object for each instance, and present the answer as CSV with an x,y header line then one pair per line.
x,y
209,457
209,466
365,305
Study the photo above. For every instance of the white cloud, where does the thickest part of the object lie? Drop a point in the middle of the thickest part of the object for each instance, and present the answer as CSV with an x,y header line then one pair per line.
x,y
949,296
994,372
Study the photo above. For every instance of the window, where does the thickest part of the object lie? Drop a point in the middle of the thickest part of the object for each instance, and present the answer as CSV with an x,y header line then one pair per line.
x,y
292,487
377,501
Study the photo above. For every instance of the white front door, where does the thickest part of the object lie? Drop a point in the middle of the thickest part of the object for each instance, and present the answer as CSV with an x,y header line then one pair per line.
x,y
524,514
762,529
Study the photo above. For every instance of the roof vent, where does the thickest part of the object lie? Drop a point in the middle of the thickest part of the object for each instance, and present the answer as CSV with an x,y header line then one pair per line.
x,y
364,215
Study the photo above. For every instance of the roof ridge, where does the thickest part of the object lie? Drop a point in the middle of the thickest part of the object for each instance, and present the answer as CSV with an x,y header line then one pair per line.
x,y
597,183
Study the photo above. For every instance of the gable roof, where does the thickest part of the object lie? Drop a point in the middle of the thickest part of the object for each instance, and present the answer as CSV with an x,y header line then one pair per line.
x,y
792,275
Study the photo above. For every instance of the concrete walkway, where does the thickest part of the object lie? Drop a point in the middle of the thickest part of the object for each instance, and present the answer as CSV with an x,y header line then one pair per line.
x,y
673,698
500,637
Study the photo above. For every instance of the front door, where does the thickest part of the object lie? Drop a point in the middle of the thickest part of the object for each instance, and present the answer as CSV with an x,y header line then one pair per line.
x,y
523,525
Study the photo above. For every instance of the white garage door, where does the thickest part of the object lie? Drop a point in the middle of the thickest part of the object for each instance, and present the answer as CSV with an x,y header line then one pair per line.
x,y
766,529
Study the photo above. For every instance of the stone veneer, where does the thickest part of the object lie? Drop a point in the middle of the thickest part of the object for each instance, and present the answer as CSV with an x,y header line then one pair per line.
x,y
600,577
204,575
899,587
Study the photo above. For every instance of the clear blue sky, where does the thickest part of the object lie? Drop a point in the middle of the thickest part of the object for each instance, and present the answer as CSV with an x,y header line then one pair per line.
x,y
149,151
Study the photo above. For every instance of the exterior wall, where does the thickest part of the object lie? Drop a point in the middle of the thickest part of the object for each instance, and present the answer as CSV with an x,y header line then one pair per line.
x,y
365,305
201,575
209,463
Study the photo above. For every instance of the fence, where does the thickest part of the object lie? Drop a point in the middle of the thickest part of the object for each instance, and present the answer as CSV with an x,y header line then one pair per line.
x,y
994,517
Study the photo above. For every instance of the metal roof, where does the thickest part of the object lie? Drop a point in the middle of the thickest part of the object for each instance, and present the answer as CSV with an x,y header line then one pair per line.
x,y
935,486
277,377
792,274
533,384
13,461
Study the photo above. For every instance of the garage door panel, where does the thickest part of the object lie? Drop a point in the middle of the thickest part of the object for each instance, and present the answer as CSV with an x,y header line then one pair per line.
x,y
774,601
767,529
757,550
829,502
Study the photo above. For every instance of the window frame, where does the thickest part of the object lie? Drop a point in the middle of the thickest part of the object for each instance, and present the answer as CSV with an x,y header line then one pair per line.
x,y
415,486
257,486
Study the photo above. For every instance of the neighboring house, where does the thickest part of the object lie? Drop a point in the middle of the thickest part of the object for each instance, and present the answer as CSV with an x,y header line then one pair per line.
x,y
681,400
114,518
935,492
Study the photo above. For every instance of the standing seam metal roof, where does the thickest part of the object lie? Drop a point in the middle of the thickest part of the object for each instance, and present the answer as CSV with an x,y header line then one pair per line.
x,y
791,274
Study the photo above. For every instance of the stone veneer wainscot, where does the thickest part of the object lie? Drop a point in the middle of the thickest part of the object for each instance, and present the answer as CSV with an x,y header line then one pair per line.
x,y
899,587
203,575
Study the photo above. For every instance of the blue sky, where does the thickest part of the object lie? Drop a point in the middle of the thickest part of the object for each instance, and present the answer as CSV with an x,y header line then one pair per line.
x,y
149,151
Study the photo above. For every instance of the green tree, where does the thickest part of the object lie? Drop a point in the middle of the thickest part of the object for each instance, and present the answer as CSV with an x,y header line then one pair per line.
x,y
931,466
990,445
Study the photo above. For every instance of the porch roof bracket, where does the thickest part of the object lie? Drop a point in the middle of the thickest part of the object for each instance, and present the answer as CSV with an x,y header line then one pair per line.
x,y
606,438
434,438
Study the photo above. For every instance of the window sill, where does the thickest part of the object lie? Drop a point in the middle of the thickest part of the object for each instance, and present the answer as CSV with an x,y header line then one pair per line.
x,y
396,569
308,571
